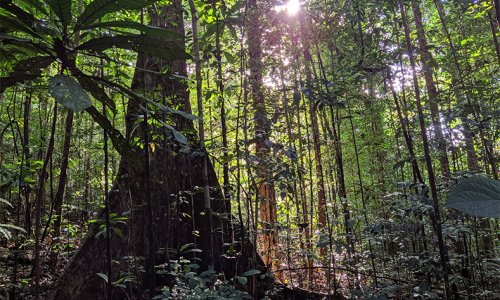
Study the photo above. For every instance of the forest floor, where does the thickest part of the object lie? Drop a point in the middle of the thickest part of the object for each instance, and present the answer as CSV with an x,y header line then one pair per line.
x,y
22,264
24,286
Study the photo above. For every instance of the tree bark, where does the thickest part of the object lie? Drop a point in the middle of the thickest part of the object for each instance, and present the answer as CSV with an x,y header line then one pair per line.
x,y
443,252
321,201
432,93
179,216
58,199
265,189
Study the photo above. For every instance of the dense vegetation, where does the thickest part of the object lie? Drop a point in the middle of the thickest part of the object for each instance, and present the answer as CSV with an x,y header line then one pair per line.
x,y
213,149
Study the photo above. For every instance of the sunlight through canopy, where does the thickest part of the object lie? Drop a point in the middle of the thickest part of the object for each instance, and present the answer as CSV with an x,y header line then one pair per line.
x,y
292,7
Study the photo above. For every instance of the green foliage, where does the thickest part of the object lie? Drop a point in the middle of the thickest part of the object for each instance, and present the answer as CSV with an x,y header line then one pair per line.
x,y
32,54
251,273
6,229
28,35
152,31
114,220
100,8
138,43
62,9
189,284
69,93
477,196
353,44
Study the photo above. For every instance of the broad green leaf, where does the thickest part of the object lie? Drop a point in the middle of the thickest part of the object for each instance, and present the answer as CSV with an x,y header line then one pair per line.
x,y
5,233
5,202
251,273
477,196
99,8
28,69
242,280
6,39
18,12
12,24
138,43
24,45
148,30
183,114
193,251
32,64
17,19
179,137
95,90
36,4
186,246
34,26
69,93
62,9
103,276
117,231
5,230
10,226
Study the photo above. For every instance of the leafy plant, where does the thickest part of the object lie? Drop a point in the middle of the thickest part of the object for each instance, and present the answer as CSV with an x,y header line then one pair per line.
x,y
6,229
35,42
477,196
115,220
192,285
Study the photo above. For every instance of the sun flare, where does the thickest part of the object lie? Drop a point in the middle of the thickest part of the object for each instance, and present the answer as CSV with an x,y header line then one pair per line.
x,y
292,7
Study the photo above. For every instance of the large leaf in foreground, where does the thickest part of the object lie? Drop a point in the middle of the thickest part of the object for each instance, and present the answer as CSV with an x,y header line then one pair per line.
x,y
69,93
477,196
139,43
151,31
62,9
94,89
25,70
5,230
99,8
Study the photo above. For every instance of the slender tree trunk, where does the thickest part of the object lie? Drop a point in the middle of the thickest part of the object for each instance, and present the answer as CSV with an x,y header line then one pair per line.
x,y
220,85
494,30
24,189
38,203
58,200
199,101
87,191
266,192
26,160
374,119
320,184
472,162
497,11
432,93
363,198
306,216
443,252
342,190
319,172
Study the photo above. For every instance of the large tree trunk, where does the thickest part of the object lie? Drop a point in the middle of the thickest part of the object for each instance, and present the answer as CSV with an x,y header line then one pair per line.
x,y
159,194
164,208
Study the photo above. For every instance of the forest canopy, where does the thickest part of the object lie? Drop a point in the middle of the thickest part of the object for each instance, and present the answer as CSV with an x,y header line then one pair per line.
x,y
249,149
